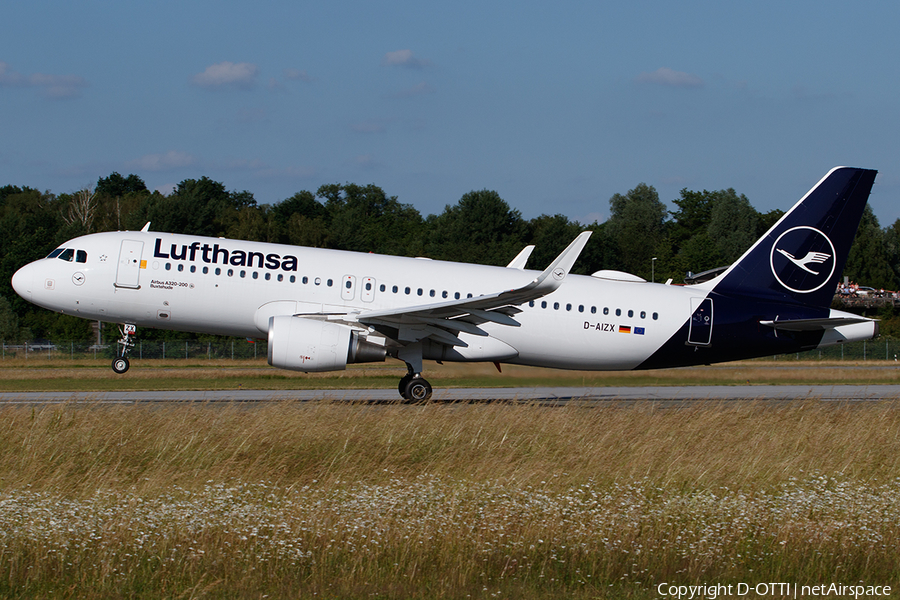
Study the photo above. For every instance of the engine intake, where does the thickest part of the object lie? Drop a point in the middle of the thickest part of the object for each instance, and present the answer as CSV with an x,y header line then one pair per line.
x,y
299,344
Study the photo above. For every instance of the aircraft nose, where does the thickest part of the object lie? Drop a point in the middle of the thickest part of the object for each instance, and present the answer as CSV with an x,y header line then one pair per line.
x,y
23,281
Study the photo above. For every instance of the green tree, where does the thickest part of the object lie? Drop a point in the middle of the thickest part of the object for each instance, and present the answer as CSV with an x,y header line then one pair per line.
x,y
550,235
867,263
733,225
116,185
480,228
9,323
365,219
636,228
300,220
197,206
118,200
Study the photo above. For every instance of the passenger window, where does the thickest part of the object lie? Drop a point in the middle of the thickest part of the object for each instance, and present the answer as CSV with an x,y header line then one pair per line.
x,y
630,313
268,276
395,289
231,272
581,308
193,268
531,303
369,286
280,277
419,291
543,304
180,267
205,270
330,283
348,285
81,256
67,254
655,316
556,306
318,281
456,295
294,278
255,275
431,293
305,279
218,271
593,310
168,266
605,310
407,291
643,314
618,312
444,294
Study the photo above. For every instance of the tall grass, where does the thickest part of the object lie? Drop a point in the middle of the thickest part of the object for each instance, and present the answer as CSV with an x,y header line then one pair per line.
x,y
443,501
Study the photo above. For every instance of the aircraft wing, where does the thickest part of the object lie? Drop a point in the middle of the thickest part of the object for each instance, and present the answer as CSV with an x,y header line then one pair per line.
x,y
444,320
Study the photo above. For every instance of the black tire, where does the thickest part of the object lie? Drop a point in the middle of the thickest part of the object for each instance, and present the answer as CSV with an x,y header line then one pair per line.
x,y
403,383
120,364
418,390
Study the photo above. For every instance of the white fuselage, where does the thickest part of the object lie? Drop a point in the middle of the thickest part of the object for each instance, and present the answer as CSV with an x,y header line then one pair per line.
x,y
230,287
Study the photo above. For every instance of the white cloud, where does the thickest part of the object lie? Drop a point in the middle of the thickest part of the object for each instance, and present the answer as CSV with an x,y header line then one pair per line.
x,y
297,75
227,75
670,78
173,159
51,86
404,58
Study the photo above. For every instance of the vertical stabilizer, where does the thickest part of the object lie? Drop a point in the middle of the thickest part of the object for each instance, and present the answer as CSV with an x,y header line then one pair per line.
x,y
801,258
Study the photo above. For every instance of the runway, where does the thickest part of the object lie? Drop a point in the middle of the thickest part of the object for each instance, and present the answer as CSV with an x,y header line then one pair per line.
x,y
663,394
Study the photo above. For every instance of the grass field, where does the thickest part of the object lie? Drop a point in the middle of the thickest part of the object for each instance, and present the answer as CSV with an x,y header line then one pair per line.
x,y
95,375
290,500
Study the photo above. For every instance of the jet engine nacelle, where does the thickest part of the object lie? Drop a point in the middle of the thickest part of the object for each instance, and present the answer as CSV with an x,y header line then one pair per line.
x,y
308,345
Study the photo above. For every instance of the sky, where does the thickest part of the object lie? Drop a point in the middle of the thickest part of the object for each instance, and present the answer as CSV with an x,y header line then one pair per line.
x,y
556,106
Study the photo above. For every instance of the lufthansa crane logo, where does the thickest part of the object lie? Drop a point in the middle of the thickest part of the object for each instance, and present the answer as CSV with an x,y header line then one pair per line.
x,y
802,259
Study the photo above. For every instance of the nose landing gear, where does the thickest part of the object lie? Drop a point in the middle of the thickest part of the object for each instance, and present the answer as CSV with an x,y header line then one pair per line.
x,y
120,364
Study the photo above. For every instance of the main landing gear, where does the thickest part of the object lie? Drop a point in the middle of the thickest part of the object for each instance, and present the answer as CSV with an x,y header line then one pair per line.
x,y
120,363
413,387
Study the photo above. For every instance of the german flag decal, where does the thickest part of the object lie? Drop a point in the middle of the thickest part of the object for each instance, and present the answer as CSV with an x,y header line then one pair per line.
x,y
624,328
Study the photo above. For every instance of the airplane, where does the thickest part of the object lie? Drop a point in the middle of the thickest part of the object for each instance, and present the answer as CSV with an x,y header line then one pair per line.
x,y
324,309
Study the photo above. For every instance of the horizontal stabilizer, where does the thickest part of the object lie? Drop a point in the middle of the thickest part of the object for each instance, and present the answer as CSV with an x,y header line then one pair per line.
x,y
814,324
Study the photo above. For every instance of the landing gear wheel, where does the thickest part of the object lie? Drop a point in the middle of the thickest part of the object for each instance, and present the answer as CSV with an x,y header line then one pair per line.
x,y
417,390
120,364
403,383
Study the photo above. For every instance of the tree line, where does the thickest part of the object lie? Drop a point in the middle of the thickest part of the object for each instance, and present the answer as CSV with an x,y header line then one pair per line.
x,y
706,229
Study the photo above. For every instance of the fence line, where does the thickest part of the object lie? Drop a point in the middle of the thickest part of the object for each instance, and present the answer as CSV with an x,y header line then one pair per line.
x,y
881,349
172,349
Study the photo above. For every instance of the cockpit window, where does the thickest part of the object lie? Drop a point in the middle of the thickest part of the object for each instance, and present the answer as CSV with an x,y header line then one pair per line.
x,y
55,253
81,256
67,254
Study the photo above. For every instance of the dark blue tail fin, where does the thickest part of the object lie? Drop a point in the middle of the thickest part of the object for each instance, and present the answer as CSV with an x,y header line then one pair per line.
x,y
801,258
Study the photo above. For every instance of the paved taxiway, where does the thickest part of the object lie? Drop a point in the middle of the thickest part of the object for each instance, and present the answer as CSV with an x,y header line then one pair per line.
x,y
539,394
